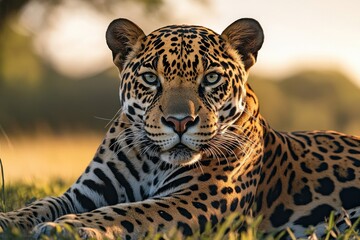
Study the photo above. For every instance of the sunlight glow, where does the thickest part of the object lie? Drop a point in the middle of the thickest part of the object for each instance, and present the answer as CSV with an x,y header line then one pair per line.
x,y
298,34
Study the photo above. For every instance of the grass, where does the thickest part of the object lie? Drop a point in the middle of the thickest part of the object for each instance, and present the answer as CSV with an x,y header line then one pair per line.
x,y
21,193
39,156
48,157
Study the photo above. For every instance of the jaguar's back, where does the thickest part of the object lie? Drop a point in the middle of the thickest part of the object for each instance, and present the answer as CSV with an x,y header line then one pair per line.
x,y
305,176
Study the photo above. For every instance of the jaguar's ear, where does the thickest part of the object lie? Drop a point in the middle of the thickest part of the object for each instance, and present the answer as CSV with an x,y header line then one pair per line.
x,y
122,36
246,37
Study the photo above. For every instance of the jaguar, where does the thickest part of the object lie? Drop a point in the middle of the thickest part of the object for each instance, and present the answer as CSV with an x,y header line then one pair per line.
x,y
189,147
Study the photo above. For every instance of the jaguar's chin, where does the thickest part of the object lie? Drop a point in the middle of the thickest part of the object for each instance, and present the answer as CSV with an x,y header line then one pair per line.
x,y
180,155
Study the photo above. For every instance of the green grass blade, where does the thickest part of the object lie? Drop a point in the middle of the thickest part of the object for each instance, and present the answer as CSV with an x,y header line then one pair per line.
x,y
3,200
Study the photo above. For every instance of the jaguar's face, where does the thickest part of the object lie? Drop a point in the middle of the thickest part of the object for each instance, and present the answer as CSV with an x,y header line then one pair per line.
x,y
183,85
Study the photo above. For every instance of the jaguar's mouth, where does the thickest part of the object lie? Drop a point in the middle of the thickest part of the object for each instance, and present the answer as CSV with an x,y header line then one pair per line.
x,y
180,146
180,155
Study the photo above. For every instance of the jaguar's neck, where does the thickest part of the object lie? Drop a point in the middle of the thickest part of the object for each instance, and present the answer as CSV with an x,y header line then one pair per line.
x,y
251,124
250,130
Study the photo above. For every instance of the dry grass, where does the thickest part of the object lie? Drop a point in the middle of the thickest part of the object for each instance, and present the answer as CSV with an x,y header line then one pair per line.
x,y
45,156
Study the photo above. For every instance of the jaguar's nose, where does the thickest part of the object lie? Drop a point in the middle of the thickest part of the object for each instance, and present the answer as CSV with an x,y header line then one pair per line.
x,y
180,125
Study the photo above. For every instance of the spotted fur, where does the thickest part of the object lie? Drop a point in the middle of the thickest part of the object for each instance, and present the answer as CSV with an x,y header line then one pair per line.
x,y
189,146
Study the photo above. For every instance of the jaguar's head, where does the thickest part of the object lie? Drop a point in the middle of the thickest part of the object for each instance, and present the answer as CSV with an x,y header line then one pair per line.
x,y
183,86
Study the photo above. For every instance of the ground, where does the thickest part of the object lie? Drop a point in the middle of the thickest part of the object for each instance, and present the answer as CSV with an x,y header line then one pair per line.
x,y
22,187
19,193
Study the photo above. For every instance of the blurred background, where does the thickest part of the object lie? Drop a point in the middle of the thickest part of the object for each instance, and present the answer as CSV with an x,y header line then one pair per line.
x,y
59,89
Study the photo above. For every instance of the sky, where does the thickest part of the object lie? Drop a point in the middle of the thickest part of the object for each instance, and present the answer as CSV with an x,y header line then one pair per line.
x,y
321,34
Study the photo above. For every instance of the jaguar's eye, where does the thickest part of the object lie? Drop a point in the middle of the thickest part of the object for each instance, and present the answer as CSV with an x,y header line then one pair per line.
x,y
150,78
211,78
